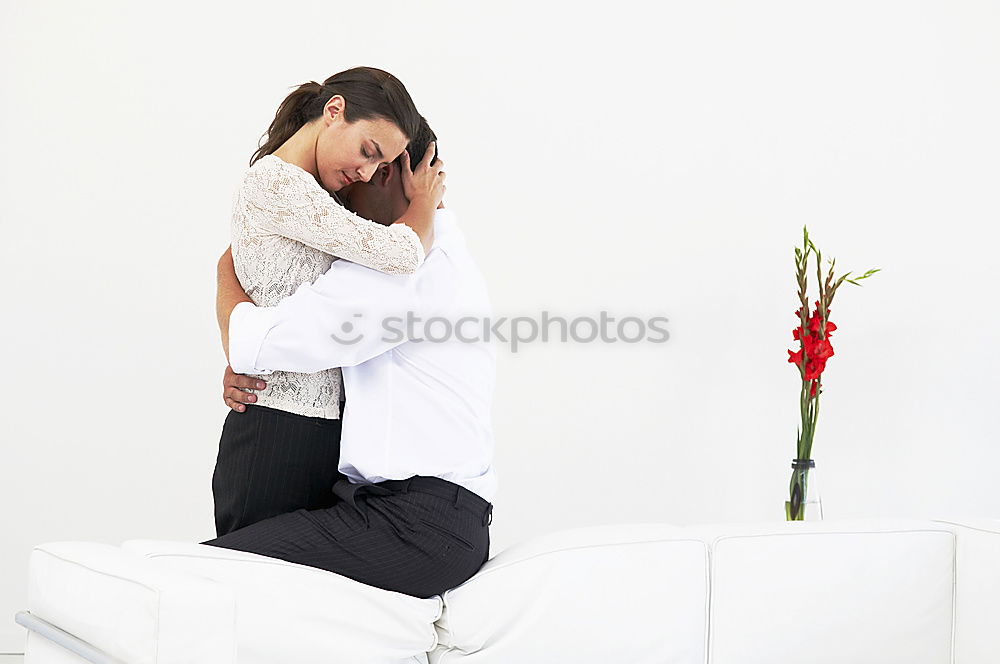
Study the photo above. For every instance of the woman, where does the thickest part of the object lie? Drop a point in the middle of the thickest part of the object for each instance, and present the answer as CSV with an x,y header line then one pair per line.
x,y
288,225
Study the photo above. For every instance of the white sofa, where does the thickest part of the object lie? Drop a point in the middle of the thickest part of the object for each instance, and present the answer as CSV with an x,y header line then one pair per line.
x,y
886,591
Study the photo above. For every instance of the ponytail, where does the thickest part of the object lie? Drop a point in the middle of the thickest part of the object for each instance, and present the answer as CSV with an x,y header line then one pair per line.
x,y
288,119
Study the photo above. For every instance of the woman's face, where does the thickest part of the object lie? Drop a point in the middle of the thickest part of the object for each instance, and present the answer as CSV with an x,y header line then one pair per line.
x,y
350,151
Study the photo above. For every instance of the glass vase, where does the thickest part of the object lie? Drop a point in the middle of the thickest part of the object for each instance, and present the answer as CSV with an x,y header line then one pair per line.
x,y
804,503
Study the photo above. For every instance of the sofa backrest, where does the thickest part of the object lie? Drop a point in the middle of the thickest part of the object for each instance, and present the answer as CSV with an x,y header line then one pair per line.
x,y
833,591
977,593
864,590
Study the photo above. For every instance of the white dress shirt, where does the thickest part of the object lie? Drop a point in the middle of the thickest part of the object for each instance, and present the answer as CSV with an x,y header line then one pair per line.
x,y
418,400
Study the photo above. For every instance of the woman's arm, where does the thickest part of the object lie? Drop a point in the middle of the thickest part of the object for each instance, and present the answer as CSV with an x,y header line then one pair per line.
x,y
228,294
297,209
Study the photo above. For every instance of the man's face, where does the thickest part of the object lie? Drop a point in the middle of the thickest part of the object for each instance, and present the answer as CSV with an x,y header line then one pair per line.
x,y
373,200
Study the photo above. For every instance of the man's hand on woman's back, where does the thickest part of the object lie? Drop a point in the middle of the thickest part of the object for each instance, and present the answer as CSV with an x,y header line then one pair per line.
x,y
234,386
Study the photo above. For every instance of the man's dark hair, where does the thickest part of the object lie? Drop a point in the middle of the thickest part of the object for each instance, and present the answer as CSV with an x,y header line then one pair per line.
x,y
418,144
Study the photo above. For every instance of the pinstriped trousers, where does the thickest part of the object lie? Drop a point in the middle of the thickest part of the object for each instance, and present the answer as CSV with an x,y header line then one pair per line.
x,y
270,462
420,536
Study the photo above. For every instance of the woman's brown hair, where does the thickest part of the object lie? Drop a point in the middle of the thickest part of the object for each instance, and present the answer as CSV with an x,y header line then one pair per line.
x,y
370,94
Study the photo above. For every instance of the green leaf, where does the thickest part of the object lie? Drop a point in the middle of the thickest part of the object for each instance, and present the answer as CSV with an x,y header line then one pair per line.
x,y
863,276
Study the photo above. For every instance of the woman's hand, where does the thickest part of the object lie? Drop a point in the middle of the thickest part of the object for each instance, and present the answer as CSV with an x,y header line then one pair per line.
x,y
232,392
425,180
424,189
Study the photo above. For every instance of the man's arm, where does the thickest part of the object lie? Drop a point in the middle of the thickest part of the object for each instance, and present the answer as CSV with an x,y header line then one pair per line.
x,y
348,315
228,294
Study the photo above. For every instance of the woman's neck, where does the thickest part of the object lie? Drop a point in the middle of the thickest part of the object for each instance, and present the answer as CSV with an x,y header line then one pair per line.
x,y
300,150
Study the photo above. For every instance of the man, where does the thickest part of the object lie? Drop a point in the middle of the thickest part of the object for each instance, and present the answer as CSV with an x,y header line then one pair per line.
x,y
417,444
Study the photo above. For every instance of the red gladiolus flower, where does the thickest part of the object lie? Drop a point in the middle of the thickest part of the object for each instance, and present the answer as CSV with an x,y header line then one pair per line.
x,y
816,351
814,368
796,357
814,325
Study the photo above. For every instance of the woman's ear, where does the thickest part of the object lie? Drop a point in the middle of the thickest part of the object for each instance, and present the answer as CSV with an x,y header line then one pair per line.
x,y
334,108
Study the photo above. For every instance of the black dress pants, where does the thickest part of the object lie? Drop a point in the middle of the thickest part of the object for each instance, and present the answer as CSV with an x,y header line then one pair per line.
x,y
270,462
279,494
420,536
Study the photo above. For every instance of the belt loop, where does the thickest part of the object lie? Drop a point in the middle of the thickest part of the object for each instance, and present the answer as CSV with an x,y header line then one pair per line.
x,y
488,515
458,494
408,481
350,492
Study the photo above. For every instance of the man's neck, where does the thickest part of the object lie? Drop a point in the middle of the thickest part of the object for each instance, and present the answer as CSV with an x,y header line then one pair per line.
x,y
398,206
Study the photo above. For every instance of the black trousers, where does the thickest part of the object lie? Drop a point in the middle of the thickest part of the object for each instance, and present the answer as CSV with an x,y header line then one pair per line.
x,y
420,536
270,462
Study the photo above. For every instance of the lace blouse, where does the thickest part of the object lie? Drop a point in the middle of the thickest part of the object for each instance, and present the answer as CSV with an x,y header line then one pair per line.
x,y
287,230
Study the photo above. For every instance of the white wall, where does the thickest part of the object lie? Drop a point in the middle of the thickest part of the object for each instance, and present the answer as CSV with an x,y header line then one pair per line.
x,y
649,162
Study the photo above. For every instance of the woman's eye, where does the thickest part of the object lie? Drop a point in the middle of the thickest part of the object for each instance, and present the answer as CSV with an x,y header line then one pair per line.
x,y
364,153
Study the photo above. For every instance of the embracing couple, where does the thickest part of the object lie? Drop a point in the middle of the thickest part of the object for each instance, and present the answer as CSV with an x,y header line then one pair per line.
x,y
348,448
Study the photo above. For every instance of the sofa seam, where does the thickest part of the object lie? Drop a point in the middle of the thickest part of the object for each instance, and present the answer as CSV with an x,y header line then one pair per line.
x,y
97,571
954,596
721,538
976,528
709,588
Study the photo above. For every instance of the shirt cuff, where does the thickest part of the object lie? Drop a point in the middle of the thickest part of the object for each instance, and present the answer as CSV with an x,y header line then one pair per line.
x,y
248,326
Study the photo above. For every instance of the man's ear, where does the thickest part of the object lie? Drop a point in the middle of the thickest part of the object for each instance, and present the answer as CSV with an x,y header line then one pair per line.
x,y
386,173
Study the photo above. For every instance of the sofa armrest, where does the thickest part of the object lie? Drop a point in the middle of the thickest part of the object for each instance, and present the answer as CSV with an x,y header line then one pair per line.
x,y
131,609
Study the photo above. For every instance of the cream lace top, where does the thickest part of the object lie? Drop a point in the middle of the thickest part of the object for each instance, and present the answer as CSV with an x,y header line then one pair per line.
x,y
287,230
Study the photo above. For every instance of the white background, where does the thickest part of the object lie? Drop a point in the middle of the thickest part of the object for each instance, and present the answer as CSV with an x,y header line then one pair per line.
x,y
601,157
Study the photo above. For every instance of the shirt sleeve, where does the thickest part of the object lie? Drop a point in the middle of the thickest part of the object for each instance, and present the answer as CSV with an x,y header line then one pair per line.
x,y
248,326
288,206
350,314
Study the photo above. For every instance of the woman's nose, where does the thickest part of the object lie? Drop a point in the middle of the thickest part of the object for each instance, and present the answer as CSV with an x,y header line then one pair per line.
x,y
367,172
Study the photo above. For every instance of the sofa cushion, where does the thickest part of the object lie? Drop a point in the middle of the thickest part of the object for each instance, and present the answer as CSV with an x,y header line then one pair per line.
x,y
128,608
288,612
621,593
